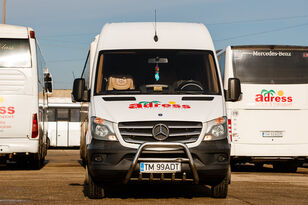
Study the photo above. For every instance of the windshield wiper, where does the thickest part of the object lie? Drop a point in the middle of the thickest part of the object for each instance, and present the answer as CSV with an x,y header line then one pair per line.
x,y
190,92
196,92
119,92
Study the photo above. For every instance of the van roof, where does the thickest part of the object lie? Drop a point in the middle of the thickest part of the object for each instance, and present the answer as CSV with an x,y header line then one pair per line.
x,y
12,31
140,35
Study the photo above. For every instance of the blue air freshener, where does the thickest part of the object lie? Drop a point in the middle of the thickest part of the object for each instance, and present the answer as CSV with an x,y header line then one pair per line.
x,y
157,72
157,76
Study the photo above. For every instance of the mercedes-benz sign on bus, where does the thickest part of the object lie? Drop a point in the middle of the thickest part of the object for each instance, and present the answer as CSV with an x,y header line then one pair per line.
x,y
269,122
23,112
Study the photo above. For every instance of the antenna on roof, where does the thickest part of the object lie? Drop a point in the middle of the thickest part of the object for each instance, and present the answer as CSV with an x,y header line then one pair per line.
x,y
3,11
155,36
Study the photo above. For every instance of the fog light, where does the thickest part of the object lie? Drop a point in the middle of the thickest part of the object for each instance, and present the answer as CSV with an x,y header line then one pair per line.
x,y
112,138
208,137
222,158
99,157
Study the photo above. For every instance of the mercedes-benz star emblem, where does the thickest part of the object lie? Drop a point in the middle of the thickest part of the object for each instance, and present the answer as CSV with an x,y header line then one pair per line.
x,y
160,132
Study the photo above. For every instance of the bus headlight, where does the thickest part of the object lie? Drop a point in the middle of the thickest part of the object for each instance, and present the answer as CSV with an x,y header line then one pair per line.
x,y
217,129
102,129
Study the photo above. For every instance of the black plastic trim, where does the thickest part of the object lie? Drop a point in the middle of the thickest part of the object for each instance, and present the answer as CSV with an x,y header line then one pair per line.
x,y
119,98
192,98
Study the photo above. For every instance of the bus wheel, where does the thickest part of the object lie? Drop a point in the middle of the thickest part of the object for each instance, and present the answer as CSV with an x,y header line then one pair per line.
x,y
221,190
290,167
259,165
36,162
94,191
234,166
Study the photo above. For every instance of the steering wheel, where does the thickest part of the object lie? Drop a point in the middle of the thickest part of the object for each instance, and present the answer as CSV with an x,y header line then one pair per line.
x,y
190,85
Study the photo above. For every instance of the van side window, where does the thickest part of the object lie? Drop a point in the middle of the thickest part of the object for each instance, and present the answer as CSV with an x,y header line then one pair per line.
x,y
221,60
213,85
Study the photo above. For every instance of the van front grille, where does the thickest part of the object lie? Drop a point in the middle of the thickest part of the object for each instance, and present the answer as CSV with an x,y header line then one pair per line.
x,y
179,131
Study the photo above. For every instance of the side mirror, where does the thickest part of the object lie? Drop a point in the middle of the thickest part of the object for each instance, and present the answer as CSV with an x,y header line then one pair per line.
x,y
48,82
80,93
234,91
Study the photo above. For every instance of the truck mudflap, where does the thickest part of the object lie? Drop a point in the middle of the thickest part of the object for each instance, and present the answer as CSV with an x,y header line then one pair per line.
x,y
177,146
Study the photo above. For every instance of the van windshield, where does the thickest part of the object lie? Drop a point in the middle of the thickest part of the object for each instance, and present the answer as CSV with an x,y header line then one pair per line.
x,y
15,53
157,72
271,66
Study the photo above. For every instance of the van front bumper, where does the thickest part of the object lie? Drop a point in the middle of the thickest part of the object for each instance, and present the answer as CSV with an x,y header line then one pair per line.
x,y
109,162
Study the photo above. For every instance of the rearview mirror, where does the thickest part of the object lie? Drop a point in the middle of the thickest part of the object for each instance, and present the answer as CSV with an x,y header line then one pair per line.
x,y
48,82
80,93
234,89
158,60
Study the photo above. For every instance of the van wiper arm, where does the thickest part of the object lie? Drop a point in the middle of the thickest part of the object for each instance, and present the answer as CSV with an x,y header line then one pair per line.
x,y
119,92
191,92
120,98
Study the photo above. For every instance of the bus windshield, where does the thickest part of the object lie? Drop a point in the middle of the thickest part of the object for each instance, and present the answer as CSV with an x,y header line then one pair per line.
x,y
15,53
157,72
271,66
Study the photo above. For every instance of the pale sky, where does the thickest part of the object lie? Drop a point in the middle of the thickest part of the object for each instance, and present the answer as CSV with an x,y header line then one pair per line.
x,y
65,28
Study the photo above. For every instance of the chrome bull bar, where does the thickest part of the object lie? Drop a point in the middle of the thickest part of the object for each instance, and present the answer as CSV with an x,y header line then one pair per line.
x,y
178,146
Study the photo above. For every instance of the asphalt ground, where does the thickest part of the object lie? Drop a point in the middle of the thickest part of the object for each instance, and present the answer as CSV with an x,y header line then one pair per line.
x,y
61,181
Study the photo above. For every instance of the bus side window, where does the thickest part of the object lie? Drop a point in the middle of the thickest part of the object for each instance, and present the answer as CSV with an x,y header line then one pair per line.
x,y
62,114
221,60
51,114
40,65
75,115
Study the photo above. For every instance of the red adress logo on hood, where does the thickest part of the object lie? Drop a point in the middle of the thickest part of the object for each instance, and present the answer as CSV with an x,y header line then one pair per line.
x,y
157,104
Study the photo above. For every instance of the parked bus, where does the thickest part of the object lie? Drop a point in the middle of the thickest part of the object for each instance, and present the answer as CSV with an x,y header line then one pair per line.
x,y
268,123
23,112
63,119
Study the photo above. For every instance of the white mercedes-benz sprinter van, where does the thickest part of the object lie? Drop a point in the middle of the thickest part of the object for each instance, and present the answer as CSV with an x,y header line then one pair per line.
x,y
23,112
155,108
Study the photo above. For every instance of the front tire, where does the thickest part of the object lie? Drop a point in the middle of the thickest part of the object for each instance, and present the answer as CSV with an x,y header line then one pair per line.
x,y
94,190
221,190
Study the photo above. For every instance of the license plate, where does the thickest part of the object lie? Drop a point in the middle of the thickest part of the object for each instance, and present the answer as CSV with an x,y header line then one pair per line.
x,y
160,167
272,133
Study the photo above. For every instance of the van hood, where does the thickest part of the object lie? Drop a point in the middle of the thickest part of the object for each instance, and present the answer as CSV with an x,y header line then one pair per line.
x,y
151,108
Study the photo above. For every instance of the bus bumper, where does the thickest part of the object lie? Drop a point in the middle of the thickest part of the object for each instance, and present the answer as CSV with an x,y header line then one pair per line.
x,y
18,146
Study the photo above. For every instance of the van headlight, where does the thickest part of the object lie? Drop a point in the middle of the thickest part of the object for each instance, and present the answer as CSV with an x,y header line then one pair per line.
x,y
216,129
102,129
